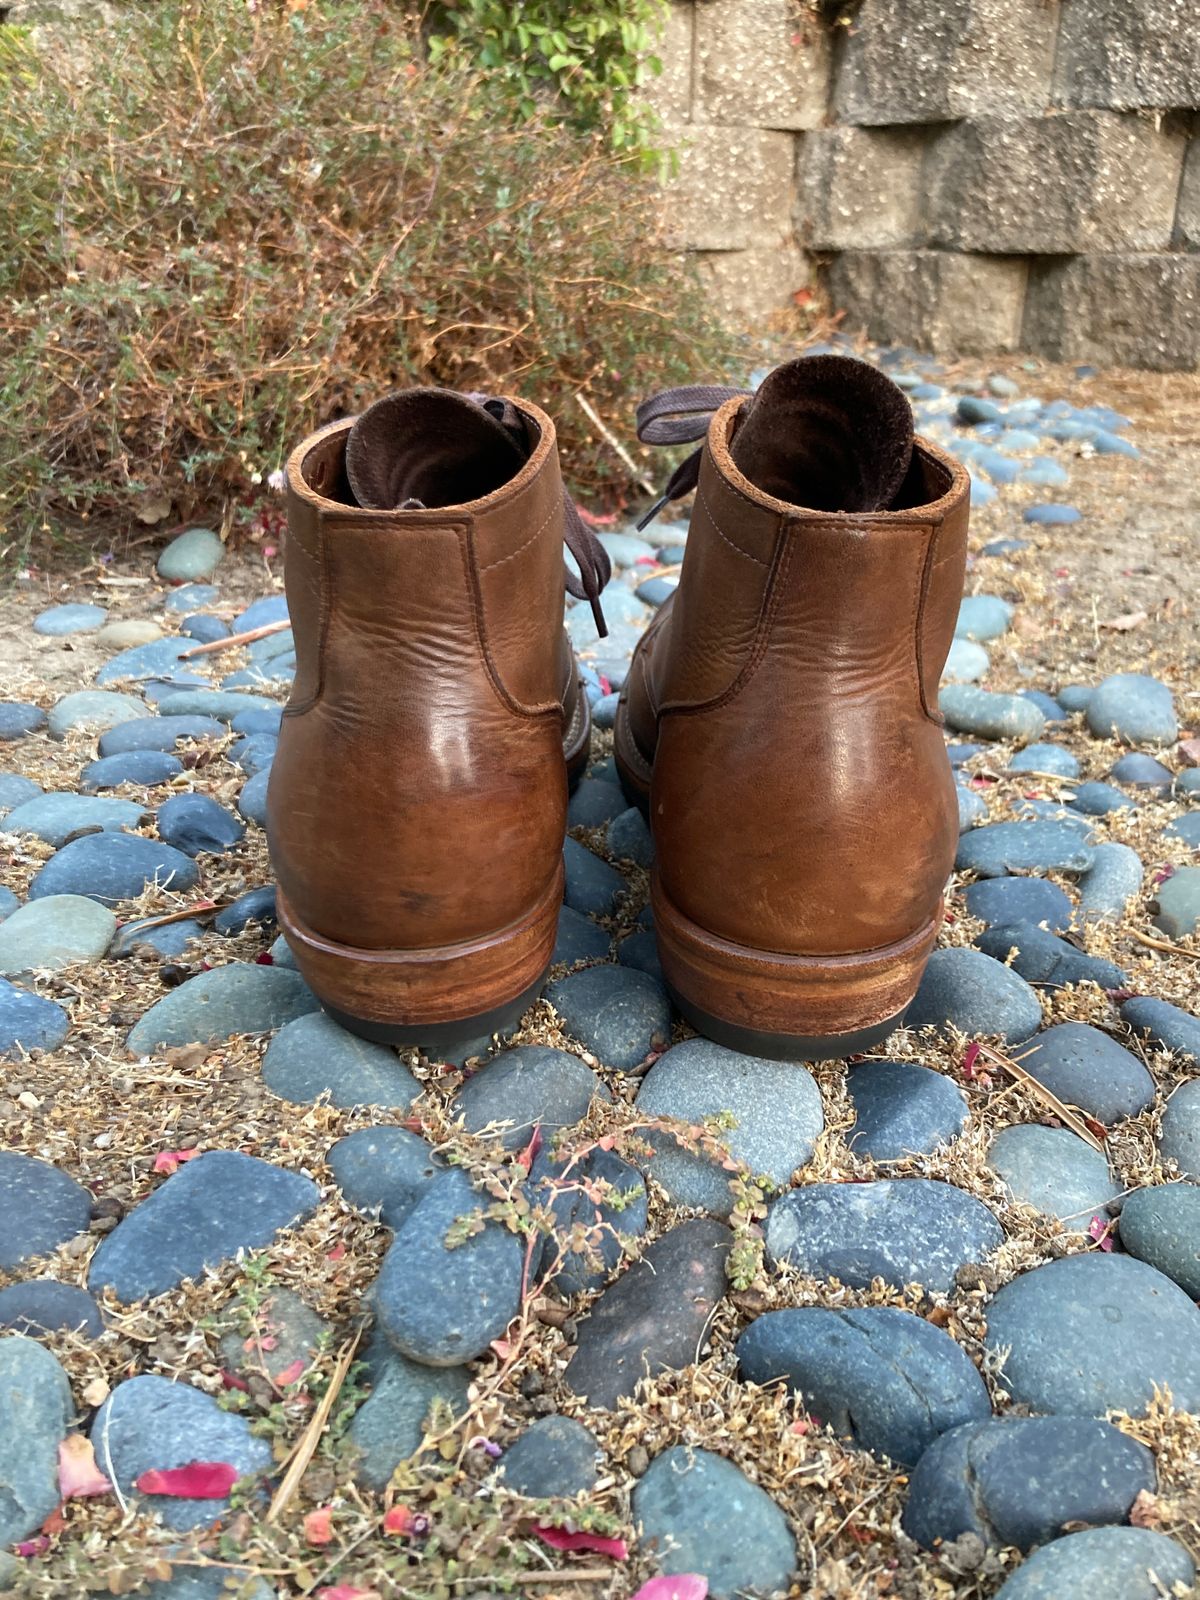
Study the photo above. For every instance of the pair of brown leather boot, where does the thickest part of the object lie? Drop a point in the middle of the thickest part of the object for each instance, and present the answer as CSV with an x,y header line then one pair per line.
x,y
779,725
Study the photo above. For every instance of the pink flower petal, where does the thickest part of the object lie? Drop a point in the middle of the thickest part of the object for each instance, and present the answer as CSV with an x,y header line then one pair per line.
x,y
678,1586
199,1480
170,1161
560,1539
78,1475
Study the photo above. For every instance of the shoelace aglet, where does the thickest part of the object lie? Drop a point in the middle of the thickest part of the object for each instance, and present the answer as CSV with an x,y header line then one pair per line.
x,y
650,515
598,614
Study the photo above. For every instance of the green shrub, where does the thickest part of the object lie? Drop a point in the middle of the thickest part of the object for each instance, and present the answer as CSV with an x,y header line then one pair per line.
x,y
241,223
586,60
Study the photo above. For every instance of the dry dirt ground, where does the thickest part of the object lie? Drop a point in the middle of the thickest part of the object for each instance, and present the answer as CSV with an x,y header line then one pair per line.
x,y
1118,590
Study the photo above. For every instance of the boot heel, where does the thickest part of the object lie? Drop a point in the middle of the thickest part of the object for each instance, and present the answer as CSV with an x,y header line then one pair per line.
x,y
436,998
787,1007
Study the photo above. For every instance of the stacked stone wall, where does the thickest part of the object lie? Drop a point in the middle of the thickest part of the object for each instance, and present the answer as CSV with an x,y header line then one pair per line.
x,y
970,175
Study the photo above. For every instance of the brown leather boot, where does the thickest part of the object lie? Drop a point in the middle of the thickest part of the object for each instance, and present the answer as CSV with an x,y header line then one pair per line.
x,y
418,797
780,720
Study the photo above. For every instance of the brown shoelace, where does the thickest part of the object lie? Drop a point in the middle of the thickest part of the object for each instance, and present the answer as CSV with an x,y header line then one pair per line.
x,y
677,416
595,564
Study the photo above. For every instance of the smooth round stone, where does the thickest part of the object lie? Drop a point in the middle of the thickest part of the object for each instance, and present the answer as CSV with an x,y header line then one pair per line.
x,y
629,838
982,617
1186,828
655,1316
40,1208
1043,958
222,704
604,711
238,998
966,662
1051,514
656,591
1009,902
111,867
972,409
29,1022
384,1169
594,803
390,1425
519,1090
261,613
1176,903
281,954
191,596
1099,799
34,1419
1188,782
286,1330
195,554
901,1109
1110,883
968,990
126,632
1019,1480
627,549
595,1204
255,906
903,1230
982,492
1045,473
1073,697
1164,1024
43,1305
95,711
8,903
556,1458
150,1423
1053,1319
1054,1171
969,709
313,1058
281,671
620,1016
960,754
699,1513
972,807
1101,1564
249,723
155,690
215,1205
59,622
441,1305
197,825
18,718
1134,707
252,802
255,753
1141,771
166,939
579,939
273,645
159,657
160,734
592,885
58,931
1061,815
203,628
880,1377
146,768
1004,547
15,790
1003,386
1046,704
1162,1226
775,1106
1180,1138
1007,847
1085,1068
58,816
640,951
1051,758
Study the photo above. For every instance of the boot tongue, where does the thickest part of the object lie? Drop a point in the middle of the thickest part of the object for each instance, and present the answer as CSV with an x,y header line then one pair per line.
x,y
432,447
828,433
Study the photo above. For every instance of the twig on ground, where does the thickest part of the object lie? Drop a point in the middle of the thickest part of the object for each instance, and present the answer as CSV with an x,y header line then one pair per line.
x,y
614,443
250,635
1163,944
1070,1119
311,1436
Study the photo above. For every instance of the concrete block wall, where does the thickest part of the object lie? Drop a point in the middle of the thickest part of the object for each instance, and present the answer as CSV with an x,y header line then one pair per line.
x,y
976,176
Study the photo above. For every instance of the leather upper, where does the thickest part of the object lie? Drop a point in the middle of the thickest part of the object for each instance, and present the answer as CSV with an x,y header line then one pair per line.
x,y
418,795
786,700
